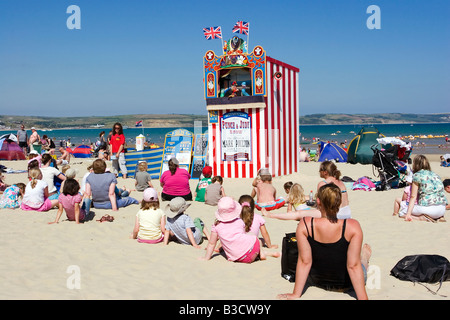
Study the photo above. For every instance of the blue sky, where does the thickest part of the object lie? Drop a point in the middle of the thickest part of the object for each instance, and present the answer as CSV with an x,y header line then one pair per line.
x,y
144,56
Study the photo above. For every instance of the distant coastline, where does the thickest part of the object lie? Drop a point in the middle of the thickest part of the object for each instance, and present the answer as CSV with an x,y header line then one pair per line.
x,y
8,122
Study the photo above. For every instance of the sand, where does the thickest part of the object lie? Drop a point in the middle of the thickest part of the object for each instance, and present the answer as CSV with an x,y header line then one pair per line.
x,y
42,261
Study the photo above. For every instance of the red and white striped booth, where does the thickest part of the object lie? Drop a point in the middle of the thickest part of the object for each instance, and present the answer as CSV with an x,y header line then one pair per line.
x,y
252,101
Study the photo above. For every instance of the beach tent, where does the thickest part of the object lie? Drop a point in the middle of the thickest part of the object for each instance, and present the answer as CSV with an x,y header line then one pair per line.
x,y
359,149
331,151
9,149
82,151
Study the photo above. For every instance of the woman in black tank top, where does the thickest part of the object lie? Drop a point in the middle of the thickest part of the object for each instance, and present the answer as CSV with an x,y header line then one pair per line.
x,y
330,249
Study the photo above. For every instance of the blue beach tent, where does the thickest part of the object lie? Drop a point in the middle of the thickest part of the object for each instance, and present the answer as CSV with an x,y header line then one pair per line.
x,y
331,151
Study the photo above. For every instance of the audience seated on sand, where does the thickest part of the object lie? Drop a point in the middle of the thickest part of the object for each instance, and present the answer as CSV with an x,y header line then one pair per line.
x,y
266,194
175,182
304,156
71,201
214,192
11,197
203,183
237,245
36,194
254,223
149,226
428,189
330,174
49,173
297,199
180,227
331,254
142,177
101,186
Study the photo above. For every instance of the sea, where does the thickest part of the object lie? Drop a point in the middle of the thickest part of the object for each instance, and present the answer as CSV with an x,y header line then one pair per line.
x,y
426,138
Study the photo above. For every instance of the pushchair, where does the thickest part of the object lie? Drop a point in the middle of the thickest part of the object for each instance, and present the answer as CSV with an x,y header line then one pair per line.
x,y
391,166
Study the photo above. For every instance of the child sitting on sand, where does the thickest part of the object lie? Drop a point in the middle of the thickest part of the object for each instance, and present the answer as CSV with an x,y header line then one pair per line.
x,y
149,226
143,178
297,199
203,184
238,245
265,192
214,192
180,227
70,200
36,194
254,223
12,196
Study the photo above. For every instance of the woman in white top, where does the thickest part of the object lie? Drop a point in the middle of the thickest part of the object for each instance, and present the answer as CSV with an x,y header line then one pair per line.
x,y
48,175
36,193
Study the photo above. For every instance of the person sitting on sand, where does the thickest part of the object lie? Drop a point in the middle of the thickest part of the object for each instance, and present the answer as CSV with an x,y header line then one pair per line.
x,y
403,202
237,245
214,192
142,177
330,251
71,202
11,198
297,198
101,186
254,223
175,182
149,226
49,173
36,194
64,158
330,174
203,183
428,189
266,194
180,227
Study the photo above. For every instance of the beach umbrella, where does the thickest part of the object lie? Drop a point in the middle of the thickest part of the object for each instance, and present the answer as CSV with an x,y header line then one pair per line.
x,y
10,150
82,151
331,151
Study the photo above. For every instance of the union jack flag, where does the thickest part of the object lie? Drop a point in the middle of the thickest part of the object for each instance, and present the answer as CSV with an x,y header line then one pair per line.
x,y
212,33
241,27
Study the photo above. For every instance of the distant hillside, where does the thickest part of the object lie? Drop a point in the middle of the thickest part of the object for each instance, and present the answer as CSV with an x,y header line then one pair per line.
x,y
187,120
375,118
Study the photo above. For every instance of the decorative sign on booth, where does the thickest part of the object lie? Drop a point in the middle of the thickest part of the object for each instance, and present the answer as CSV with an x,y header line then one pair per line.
x,y
178,144
236,136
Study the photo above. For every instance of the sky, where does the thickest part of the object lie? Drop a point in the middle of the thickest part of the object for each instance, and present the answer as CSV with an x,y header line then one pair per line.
x,y
146,57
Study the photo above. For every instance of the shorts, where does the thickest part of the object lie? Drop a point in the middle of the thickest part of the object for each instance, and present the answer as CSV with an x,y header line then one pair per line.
x,y
47,205
434,212
271,205
251,254
151,241
23,144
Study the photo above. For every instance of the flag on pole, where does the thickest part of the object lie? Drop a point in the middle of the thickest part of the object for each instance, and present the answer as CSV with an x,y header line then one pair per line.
x,y
212,33
241,27
139,123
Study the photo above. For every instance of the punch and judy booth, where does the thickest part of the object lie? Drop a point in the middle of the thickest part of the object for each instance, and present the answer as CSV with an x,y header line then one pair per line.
x,y
252,102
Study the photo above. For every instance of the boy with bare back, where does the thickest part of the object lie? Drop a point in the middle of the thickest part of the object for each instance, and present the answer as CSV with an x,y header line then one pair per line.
x,y
265,192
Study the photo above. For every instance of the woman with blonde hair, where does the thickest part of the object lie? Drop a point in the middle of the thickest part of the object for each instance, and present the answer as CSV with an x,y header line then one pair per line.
x,y
297,198
428,190
330,174
36,194
331,254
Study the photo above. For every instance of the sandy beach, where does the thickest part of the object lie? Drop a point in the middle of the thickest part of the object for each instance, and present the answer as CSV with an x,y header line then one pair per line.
x,y
38,259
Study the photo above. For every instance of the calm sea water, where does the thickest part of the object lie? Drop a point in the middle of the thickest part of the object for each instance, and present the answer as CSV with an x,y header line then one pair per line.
x,y
337,133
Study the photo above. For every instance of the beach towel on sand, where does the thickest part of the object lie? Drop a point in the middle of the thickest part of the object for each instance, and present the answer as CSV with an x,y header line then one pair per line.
x,y
364,183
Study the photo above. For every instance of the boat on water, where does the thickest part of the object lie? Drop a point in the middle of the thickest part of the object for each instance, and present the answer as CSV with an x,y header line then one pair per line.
x,y
97,126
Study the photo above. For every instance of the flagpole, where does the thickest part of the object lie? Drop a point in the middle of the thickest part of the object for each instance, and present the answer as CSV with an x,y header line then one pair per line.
x,y
248,36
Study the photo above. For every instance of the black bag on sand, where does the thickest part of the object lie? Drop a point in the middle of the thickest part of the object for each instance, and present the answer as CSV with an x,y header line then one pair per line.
x,y
289,257
426,268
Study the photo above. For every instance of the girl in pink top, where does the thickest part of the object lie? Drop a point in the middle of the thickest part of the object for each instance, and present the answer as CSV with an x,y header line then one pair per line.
x,y
238,245
254,223
71,201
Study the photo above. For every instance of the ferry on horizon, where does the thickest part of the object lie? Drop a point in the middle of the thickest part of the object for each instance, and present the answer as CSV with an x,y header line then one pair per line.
x,y
98,126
